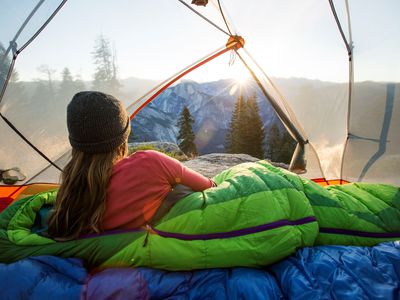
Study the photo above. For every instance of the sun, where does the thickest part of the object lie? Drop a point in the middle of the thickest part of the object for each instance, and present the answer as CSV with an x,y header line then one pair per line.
x,y
240,74
241,77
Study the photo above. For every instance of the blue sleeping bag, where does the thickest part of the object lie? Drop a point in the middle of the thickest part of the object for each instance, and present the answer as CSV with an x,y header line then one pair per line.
x,y
325,272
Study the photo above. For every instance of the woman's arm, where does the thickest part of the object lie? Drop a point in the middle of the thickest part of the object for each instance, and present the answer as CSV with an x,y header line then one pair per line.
x,y
177,173
195,180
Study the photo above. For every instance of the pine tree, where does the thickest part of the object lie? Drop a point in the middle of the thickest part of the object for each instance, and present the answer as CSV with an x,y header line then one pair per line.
x,y
246,133
15,88
256,134
186,135
66,77
288,145
105,77
235,139
44,89
280,145
79,84
5,63
274,142
48,73
69,86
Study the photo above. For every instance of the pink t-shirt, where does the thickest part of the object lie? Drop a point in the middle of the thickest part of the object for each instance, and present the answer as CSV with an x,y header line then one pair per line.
x,y
138,185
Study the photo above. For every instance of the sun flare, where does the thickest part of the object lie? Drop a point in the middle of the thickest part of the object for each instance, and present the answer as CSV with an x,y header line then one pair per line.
x,y
240,74
241,77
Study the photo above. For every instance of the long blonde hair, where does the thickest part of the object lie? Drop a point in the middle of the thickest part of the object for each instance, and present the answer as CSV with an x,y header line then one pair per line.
x,y
81,199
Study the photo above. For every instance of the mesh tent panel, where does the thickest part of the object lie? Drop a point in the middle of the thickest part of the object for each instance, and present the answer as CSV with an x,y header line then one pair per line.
x,y
373,150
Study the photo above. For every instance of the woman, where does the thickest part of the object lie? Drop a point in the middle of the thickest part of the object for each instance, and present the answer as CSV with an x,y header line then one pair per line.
x,y
101,187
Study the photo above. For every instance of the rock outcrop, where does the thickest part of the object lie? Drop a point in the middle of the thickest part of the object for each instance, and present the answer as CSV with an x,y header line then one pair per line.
x,y
209,164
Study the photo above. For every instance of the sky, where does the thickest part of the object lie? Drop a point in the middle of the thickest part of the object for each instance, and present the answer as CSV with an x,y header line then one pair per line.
x,y
154,39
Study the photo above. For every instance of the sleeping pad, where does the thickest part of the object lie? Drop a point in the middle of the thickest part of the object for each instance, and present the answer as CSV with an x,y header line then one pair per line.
x,y
257,215
321,272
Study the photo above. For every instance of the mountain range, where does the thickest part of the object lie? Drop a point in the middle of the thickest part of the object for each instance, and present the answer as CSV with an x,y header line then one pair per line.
x,y
211,105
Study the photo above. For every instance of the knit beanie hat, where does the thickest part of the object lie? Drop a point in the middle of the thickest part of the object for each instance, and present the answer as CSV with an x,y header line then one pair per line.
x,y
97,122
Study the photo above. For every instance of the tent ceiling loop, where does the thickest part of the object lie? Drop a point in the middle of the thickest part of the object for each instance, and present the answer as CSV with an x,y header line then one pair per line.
x,y
205,18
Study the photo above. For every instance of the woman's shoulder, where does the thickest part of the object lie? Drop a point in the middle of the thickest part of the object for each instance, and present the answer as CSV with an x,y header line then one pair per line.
x,y
140,156
146,154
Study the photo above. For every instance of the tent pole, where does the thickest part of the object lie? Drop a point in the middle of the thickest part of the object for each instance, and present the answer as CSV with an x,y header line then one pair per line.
x,y
203,17
233,43
12,44
349,47
15,54
298,163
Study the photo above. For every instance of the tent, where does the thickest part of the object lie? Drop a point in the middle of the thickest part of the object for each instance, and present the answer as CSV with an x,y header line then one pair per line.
x,y
342,105
328,68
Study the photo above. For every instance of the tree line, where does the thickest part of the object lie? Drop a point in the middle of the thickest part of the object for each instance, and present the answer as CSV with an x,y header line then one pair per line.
x,y
246,134
104,77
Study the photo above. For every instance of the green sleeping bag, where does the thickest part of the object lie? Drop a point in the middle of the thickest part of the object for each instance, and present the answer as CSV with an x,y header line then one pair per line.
x,y
257,215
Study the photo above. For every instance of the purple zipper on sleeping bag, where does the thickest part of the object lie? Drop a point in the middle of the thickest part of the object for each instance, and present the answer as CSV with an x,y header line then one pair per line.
x,y
235,233
250,230
360,233
210,236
